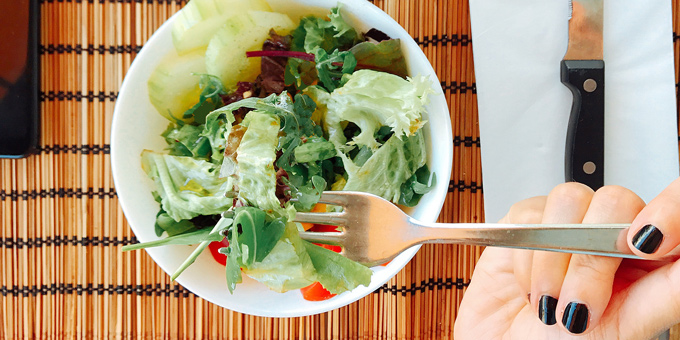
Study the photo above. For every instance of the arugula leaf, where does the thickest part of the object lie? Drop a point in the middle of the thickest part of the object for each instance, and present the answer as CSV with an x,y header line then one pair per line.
x,y
295,120
297,124
314,149
385,56
321,37
335,272
300,73
314,32
214,235
256,231
233,270
189,238
209,99
327,68
252,236
307,192
416,186
331,67
185,140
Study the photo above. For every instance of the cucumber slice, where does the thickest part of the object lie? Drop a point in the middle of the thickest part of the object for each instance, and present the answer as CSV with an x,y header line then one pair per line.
x,y
232,7
226,53
198,21
173,88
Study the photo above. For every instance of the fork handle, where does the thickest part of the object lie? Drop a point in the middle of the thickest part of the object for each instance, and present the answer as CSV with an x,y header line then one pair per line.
x,y
592,239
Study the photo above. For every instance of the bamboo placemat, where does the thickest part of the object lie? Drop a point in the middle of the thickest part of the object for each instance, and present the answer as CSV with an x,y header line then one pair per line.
x,y
62,274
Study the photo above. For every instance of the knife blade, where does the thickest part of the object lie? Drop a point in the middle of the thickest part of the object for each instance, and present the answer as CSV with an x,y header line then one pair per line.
x,y
582,71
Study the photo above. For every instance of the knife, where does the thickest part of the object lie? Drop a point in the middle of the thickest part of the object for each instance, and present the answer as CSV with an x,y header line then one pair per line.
x,y
582,71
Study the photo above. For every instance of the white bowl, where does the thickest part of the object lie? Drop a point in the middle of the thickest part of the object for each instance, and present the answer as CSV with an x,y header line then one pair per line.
x,y
137,126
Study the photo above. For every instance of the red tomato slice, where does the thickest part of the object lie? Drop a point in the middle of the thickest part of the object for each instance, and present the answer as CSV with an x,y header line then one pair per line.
x,y
215,251
316,292
326,228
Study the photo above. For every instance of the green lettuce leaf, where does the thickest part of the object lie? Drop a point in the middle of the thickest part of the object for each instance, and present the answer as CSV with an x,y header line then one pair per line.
x,y
218,124
165,223
287,266
388,168
335,272
372,99
255,157
385,56
345,33
187,187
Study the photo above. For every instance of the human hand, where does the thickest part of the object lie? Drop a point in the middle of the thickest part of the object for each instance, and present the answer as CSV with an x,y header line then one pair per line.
x,y
522,294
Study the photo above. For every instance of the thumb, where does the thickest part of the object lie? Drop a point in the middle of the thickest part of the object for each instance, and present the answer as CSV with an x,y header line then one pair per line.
x,y
650,305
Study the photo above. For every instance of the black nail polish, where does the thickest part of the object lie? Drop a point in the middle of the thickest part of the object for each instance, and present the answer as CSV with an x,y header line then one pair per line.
x,y
546,309
648,239
575,318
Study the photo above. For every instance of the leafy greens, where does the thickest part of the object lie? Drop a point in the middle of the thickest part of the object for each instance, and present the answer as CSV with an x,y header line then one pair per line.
x,y
348,119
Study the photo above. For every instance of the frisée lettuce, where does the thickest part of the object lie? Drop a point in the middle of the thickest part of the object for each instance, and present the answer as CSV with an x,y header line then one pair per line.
x,y
372,99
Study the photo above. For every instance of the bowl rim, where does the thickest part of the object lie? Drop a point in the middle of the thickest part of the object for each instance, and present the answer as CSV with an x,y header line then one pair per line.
x,y
444,154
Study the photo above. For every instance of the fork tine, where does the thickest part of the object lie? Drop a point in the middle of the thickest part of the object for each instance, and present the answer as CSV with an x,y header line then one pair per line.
x,y
322,237
332,218
336,197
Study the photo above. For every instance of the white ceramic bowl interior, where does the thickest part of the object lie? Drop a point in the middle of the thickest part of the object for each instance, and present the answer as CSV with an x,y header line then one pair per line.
x,y
137,126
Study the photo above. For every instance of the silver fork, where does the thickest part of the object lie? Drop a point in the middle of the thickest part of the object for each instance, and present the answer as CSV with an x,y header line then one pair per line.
x,y
374,231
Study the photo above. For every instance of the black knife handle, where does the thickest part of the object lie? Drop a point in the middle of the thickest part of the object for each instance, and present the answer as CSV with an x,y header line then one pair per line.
x,y
584,157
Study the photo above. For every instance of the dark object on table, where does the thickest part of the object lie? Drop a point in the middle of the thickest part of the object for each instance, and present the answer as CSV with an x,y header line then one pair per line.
x,y
19,77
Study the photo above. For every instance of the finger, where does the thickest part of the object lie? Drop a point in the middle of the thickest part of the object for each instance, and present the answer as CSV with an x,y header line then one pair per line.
x,y
522,261
529,211
566,203
587,286
488,293
656,230
649,306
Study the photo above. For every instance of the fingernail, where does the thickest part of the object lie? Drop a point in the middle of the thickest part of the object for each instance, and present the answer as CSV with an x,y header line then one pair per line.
x,y
575,318
546,309
648,239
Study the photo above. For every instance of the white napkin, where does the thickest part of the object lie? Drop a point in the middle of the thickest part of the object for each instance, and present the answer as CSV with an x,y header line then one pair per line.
x,y
524,108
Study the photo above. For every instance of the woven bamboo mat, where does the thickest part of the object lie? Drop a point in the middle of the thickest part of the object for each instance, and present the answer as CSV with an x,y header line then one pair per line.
x,y
62,274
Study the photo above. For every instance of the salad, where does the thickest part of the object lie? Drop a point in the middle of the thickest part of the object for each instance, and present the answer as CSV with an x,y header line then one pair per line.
x,y
264,115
